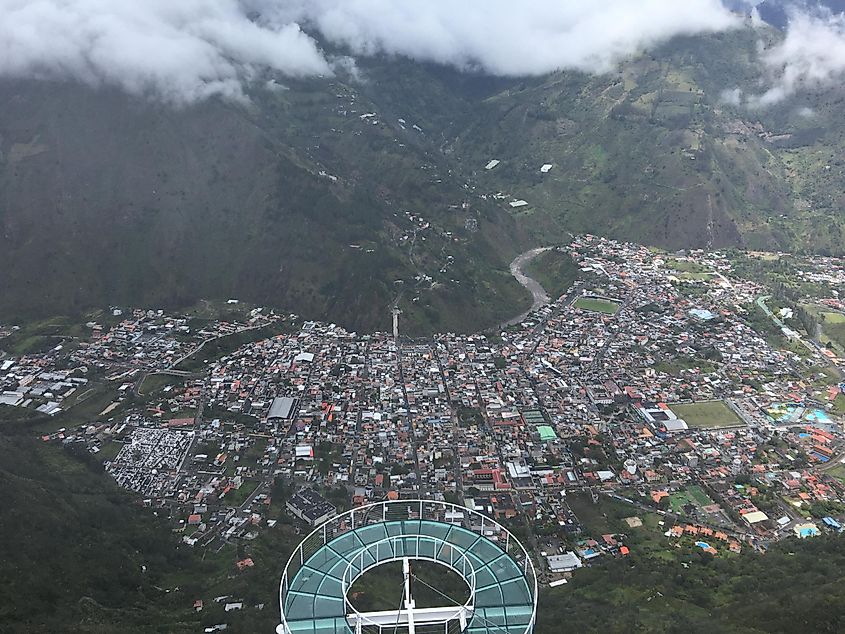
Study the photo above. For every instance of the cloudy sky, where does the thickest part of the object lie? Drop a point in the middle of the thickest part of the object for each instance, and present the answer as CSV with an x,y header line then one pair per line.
x,y
182,51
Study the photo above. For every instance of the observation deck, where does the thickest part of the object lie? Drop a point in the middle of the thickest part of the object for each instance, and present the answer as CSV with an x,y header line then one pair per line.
x,y
496,567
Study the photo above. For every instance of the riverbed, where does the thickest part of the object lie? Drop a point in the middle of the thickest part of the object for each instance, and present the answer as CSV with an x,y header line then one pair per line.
x,y
539,295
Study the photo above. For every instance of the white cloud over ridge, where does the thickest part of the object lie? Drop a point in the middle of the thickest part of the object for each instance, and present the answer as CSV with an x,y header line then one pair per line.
x,y
508,37
811,56
182,51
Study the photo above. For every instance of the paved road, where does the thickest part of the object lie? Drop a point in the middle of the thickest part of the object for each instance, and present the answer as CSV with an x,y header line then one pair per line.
x,y
538,293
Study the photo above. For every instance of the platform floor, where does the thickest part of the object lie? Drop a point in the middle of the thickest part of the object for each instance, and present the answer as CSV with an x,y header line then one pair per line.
x,y
503,603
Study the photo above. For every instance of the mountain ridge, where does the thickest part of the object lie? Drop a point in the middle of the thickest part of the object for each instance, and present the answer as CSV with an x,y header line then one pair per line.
x,y
336,197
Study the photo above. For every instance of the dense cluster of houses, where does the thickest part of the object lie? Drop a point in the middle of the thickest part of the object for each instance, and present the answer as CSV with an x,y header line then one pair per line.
x,y
643,382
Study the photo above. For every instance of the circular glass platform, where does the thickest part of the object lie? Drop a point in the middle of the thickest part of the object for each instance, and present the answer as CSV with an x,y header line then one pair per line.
x,y
496,567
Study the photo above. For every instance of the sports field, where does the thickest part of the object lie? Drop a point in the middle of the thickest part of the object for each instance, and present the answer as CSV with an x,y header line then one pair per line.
x,y
694,495
706,414
596,305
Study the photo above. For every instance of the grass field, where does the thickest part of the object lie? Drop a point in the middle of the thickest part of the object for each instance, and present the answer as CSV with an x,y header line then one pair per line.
x,y
699,496
834,318
839,405
706,414
686,270
832,324
837,472
40,336
679,500
156,382
834,329
694,495
679,364
236,497
608,516
596,305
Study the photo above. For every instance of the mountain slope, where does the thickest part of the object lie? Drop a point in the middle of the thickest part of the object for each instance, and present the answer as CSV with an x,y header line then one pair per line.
x,y
334,197
654,152
103,199
76,554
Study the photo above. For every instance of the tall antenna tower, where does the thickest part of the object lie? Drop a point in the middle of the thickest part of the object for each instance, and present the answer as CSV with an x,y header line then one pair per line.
x,y
396,313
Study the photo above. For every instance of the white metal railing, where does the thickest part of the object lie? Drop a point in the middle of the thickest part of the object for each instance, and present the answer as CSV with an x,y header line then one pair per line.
x,y
407,510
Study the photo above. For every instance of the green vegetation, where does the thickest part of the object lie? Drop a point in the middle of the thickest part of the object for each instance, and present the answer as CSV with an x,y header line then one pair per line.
x,y
699,495
326,454
833,329
706,414
839,404
469,416
778,273
837,472
153,383
596,305
555,270
679,364
608,516
701,593
73,547
691,495
78,567
41,335
236,497
251,217
79,554
648,153
688,270
16,416
217,348
761,323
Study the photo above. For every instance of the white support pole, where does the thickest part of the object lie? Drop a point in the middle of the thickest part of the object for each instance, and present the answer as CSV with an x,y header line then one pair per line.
x,y
409,601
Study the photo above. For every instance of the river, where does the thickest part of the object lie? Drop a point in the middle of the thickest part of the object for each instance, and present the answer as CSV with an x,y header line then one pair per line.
x,y
539,295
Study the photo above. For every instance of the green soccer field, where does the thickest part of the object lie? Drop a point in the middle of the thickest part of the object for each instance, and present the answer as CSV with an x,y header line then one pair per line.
x,y
706,415
596,305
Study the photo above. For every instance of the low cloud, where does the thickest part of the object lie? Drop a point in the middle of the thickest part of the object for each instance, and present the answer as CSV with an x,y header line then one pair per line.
x,y
504,37
731,97
179,51
811,56
182,51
